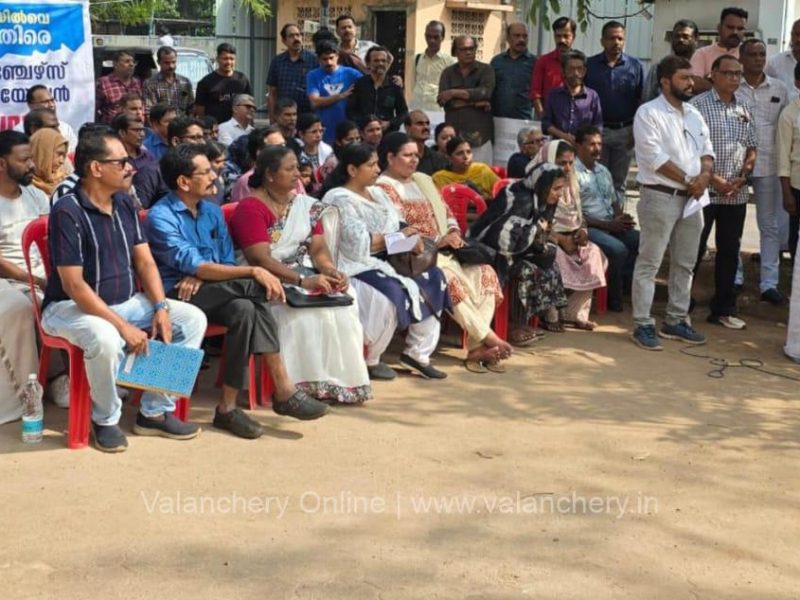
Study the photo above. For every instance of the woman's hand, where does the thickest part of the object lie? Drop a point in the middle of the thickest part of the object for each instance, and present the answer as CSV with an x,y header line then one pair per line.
x,y
420,247
318,282
337,278
567,243
581,236
451,240
409,231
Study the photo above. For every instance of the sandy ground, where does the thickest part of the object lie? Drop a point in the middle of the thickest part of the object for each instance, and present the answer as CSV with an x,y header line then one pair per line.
x,y
591,469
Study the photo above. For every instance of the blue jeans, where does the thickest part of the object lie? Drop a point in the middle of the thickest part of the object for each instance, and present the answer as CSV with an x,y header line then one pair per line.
x,y
103,348
621,250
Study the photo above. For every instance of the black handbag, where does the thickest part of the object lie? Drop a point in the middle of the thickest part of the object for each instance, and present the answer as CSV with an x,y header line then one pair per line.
x,y
473,252
411,265
297,297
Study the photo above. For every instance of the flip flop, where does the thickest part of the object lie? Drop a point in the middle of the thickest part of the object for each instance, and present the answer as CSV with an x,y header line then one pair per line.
x,y
553,326
495,367
582,325
522,337
475,366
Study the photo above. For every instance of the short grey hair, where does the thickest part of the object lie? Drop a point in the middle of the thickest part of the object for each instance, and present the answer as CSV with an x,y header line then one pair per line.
x,y
523,135
242,98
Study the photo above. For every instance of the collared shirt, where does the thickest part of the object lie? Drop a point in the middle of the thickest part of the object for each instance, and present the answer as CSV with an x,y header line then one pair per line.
x,y
598,195
176,92
619,87
789,143
512,85
149,184
324,84
427,72
733,131
781,66
386,101
144,158
569,113
546,75
109,91
289,77
474,124
704,57
181,241
766,102
432,161
230,131
102,244
664,133
155,144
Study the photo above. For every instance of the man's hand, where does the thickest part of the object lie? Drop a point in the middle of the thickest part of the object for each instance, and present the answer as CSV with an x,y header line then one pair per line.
x,y
162,326
617,225
789,204
567,243
451,240
736,185
346,93
270,283
40,282
135,339
698,185
445,96
397,80
188,287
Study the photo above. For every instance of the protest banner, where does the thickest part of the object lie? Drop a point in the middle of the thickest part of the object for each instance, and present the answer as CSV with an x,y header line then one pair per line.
x,y
48,43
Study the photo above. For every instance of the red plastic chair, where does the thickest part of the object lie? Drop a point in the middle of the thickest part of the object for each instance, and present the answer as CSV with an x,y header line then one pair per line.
x,y
501,172
500,184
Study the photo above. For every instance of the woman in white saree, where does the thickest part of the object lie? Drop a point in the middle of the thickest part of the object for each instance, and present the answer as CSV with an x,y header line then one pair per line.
x,y
281,231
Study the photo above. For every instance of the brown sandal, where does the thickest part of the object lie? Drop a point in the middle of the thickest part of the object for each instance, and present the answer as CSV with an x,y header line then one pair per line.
x,y
553,326
475,366
522,336
582,325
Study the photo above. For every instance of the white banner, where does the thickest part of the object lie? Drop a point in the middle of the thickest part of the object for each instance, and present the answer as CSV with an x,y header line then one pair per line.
x,y
505,137
47,42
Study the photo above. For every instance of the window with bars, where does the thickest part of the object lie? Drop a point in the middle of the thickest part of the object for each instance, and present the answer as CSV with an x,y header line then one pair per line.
x,y
469,22
310,12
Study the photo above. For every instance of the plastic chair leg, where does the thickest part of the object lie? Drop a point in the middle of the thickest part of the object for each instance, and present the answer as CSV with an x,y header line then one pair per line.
x,y
601,300
182,408
80,403
252,379
221,369
44,365
267,389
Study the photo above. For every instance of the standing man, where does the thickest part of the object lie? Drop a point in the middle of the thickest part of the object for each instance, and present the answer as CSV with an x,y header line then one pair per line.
x,y
167,85
733,137
373,94
684,43
547,73
789,163
112,87
241,122
286,77
216,91
465,91
513,70
732,27
767,97
351,51
572,105
329,86
609,227
617,78
675,158
197,263
781,66
39,96
99,256
428,68
418,128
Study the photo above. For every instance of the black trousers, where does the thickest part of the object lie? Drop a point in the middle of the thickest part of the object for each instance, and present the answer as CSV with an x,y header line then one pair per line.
x,y
241,305
729,221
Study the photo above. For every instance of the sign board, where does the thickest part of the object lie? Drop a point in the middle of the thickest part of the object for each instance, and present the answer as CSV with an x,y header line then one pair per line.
x,y
46,42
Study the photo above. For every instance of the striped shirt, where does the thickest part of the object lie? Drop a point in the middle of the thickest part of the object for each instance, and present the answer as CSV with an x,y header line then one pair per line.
x,y
766,101
732,131
176,92
81,235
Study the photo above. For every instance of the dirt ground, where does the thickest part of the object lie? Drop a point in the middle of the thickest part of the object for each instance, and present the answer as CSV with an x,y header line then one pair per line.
x,y
592,469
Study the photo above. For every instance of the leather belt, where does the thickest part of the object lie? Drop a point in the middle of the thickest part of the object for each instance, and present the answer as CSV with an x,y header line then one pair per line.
x,y
665,189
617,125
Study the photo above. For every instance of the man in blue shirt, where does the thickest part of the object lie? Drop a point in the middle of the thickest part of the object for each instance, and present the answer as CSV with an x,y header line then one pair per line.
x,y
161,115
98,252
609,227
195,256
618,79
286,77
512,76
328,88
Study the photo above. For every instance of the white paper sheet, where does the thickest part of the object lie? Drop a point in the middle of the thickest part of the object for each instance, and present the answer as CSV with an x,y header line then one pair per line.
x,y
695,204
397,242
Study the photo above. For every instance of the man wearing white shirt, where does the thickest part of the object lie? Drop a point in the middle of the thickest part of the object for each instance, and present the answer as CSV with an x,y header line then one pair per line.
x,y
244,110
428,67
781,66
675,159
39,96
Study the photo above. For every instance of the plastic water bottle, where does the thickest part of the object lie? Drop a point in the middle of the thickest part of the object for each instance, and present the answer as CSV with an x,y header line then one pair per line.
x,y
32,414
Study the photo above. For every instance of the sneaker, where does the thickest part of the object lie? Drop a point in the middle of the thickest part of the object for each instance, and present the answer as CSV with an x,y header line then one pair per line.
x,y
109,438
427,371
644,336
170,427
728,321
59,391
683,332
381,372
238,423
301,406
774,296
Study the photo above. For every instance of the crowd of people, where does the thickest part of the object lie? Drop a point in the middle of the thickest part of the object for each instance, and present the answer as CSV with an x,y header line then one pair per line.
x,y
173,210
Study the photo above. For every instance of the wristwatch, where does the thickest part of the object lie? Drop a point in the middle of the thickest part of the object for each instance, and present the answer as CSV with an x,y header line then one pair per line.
x,y
687,179
162,305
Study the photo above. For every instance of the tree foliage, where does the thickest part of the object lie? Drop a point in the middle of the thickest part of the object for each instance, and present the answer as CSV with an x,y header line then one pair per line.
x,y
260,9
543,9
133,12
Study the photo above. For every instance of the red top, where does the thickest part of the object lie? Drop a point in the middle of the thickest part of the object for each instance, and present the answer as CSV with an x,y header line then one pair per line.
x,y
253,223
546,75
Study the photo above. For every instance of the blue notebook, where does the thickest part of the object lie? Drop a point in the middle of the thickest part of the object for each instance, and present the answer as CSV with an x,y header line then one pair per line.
x,y
165,369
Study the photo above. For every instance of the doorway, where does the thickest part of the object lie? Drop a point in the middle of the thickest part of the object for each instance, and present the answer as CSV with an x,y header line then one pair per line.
x,y
390,31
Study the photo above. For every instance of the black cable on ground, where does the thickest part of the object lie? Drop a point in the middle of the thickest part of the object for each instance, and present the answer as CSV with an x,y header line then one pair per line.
x,y
723,364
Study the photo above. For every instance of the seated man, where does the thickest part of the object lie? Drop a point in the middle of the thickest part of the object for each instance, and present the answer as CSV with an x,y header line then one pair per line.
x,y
98,253
241,122
156,140
529,140
609,227
418,128
195,256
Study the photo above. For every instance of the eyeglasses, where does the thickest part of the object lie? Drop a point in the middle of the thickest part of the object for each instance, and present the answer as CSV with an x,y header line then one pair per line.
x,y
731,74
120,162
248,106
198,137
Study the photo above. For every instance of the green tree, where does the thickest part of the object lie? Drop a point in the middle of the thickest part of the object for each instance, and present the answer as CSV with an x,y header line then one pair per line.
x,y
542,9
133,12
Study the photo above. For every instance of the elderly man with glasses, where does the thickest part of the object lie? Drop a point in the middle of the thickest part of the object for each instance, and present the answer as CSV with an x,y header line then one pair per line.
x,y
241,123
529,140
39,96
